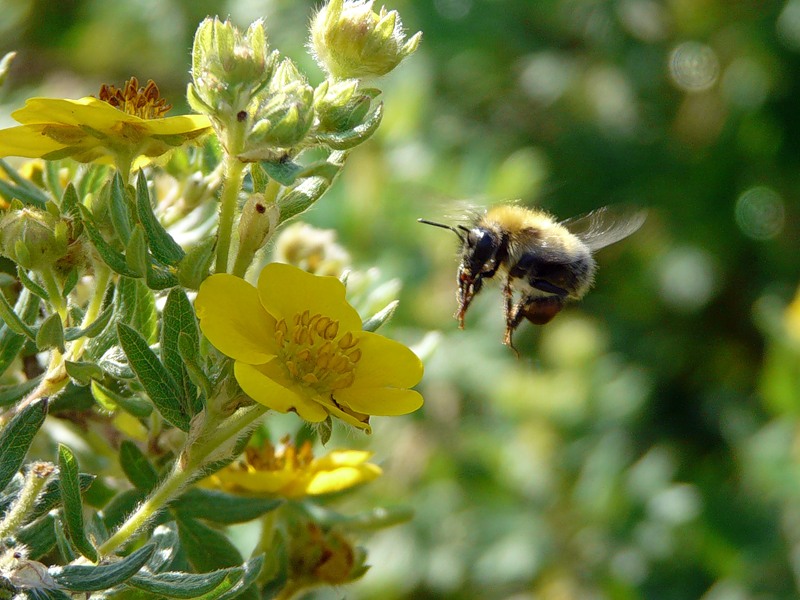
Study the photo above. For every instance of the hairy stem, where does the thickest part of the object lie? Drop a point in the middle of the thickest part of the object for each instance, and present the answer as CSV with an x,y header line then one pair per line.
x,y
234,174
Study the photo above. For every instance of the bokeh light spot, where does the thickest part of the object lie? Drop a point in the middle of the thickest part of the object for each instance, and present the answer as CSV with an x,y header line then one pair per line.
x,y
760,213
687,279
694,66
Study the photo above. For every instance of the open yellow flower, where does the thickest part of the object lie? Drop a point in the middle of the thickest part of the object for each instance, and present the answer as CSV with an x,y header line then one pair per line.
x,y
293,473
120,126
298,346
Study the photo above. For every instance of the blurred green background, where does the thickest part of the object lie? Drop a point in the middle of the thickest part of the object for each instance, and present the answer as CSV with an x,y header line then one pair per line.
x,y
646,442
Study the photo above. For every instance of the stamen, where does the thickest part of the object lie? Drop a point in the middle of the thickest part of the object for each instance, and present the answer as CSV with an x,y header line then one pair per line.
x,y
144,103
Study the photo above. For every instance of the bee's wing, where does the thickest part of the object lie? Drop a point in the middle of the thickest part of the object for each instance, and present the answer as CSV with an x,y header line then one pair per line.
x,y
606,225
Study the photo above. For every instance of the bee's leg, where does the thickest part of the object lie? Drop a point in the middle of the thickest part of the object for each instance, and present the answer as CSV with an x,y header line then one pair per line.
x,y
514,316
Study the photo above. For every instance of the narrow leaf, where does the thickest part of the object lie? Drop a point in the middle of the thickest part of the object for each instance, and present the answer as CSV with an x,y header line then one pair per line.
x,y
110,399
11,394
73,333
73,504
38,537
207,549
13,320
136,467
191,360
50,497
136,256
119,209
194,267
50,334
86,578
114,259
70,201
252,569
179,320
83,372
219,507
164,248
185,585
16,438
120,506
155,379
10,342
32,286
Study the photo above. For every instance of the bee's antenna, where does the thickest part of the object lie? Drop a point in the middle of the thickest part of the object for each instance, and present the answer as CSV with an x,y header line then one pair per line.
x,y
443,226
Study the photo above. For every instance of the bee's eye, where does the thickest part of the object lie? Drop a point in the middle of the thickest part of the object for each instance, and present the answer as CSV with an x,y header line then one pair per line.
x,y
484,245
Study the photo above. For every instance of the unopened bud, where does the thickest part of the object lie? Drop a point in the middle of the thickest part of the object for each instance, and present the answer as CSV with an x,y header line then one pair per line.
x,y
341,105
350,40
33,238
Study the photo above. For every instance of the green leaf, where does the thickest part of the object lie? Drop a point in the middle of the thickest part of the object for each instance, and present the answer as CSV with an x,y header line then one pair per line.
x,y
179,320
11,394
219,507
165,538
16,438
245,588
11,343
109,399
73,504
135,305
70,201
12,320
119,209
164,248
160,277
380,317
186,585
136,467
38,537
299,198
325,429
50,334
136,256
283,171
50,497
114,259
83,372
194,267
86,578
207,549
21,188
191,359
120,506
62,542
154,377
70,281
32,286
94,329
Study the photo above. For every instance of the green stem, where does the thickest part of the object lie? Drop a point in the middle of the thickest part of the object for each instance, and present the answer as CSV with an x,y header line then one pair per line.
x,y
54,292
101,280
234,174
37,476
183,473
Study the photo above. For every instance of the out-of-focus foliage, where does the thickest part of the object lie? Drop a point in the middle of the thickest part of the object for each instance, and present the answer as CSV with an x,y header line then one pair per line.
x,y
645,443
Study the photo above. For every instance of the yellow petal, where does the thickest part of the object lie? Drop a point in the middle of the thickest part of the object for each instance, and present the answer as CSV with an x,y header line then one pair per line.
x,y
264,482
385,402
286,290
234,321
258,383
328,482
177,125
85,111
385,363
341,458
27,141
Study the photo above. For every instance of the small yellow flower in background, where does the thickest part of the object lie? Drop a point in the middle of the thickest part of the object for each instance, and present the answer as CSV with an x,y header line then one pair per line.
x,y
293,473
121,125
298,346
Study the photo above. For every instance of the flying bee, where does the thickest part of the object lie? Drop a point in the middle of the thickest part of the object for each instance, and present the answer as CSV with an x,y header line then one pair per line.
x,y
543,263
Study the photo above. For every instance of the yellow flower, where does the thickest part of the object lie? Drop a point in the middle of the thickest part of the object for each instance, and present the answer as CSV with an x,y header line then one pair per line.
x,y
290,472
298,346
121,125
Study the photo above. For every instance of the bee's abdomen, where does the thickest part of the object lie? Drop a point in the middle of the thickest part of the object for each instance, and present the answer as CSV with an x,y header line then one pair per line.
x,y
569,279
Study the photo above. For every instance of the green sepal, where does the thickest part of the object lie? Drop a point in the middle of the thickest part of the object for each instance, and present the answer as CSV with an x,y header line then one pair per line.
x,y
94,329
11,394
119,207
136,256
31,285
380,317
219,507
344,140
16,438
114,259
179,321
110,400
50,334
73,504
206,548
195,266
164,248
86,578
83,373
325,429
154,377
136,467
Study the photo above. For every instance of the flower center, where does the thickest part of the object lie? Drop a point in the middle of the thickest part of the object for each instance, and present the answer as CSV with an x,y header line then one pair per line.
x,y
287,457
314,354
145,103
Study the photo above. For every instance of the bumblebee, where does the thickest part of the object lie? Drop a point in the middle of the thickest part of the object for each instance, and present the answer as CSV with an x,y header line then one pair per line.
x,y
542,263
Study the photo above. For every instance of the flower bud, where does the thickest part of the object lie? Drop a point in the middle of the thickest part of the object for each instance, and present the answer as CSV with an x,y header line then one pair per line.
x,y
283,115
311,249
33,238
258,221
341,105
318,556
349,40
229,70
